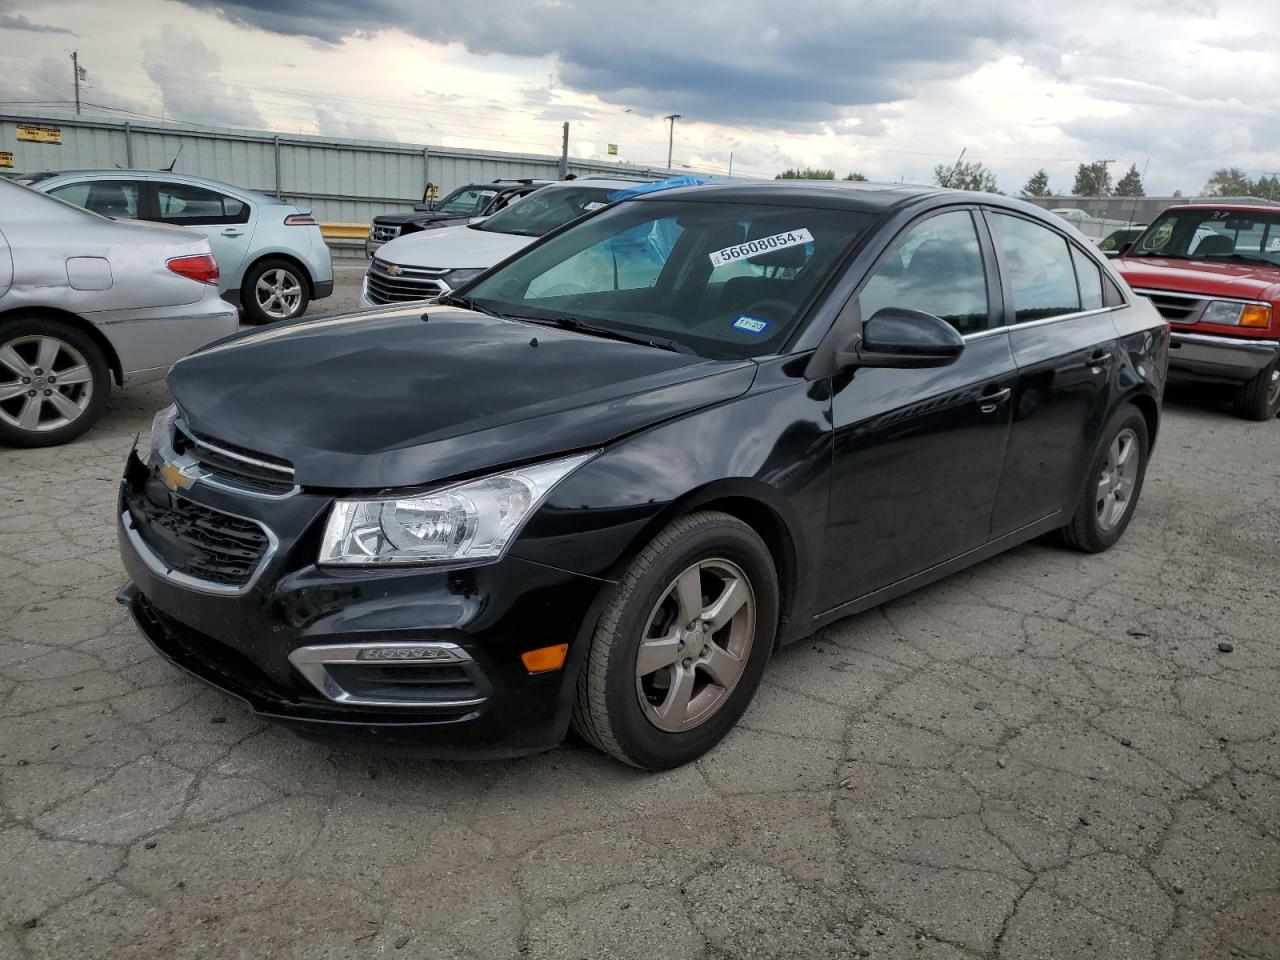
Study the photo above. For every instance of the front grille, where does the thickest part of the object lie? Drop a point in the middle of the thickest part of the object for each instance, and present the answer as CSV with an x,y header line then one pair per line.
x,y
405,285
1175,308
382,232
196,540
246,470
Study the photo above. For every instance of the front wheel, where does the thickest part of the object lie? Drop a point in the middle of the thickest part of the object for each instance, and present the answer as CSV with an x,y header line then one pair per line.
x,y
1113,485
681,645
274,290
1259,399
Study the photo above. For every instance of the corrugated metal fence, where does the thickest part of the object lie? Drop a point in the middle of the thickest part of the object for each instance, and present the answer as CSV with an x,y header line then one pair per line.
x,y
344,181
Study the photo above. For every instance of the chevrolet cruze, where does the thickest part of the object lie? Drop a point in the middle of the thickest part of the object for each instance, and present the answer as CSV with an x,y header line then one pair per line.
x,y
598,485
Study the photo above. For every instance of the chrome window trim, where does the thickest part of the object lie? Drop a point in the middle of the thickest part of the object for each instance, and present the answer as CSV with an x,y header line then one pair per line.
x,y
311,662
1206,297
161,569
1043,322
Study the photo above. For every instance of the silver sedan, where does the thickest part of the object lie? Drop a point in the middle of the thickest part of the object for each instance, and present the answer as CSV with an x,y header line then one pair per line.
x,y
86,302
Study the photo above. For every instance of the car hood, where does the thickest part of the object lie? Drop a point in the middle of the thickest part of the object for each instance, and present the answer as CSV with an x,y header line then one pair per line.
x,y
384,399
421,218
1244,280
452,248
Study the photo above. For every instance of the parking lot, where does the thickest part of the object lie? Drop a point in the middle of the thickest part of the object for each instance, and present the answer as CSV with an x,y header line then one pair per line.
x,y
1052,755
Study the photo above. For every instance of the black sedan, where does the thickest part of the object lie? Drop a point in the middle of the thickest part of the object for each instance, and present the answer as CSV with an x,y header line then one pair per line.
x,y
599,485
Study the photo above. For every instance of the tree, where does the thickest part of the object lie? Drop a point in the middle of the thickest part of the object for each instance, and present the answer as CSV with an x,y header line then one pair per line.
x,y
965,176
1267,187
854,175
1092,180
1228,182
808,173
1130,185
1038,185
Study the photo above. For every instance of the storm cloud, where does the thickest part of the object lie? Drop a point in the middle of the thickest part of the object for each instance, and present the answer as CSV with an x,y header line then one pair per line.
x,y
739,63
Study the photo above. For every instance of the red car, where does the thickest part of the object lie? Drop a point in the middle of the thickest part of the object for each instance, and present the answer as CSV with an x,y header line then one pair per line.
x,y
1213,271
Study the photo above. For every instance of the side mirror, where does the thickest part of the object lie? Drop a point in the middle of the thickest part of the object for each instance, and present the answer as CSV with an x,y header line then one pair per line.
x,y
897,337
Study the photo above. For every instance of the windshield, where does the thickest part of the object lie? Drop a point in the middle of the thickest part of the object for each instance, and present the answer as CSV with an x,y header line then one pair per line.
x,y
725,280
466,200
540,213
1249,236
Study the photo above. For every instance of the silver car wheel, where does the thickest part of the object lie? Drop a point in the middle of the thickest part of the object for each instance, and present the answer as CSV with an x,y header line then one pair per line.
x,y
1118,479
45,383
696,643
278,293
1273,391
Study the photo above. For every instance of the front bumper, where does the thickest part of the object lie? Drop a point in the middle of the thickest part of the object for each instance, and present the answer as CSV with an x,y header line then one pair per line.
x,y
240,642
1212,357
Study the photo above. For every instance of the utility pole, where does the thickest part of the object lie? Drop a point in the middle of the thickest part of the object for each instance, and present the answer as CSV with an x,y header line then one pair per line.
x,y
671,135
1105,176
564,152
78,73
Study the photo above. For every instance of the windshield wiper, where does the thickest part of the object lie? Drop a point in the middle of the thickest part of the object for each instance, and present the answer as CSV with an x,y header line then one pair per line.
x,y
467,303
1244,256
581,326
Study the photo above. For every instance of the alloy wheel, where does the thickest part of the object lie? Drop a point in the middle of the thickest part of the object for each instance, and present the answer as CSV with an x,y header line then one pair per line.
x,y
45,383
1118,479
1273,390
695,645
278,293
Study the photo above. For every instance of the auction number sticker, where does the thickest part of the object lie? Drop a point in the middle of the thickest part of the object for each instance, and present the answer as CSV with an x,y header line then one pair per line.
x,y
752,248
595,205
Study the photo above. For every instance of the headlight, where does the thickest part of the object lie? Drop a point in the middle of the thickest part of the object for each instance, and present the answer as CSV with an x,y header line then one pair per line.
x,y
472,521
161,428
1235,314
456,278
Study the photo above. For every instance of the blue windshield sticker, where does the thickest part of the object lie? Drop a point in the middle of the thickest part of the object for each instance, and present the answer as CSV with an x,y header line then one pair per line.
x,y
749,324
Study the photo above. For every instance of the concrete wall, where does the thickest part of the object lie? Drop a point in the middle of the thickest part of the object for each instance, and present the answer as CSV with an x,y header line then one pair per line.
x,y
343,181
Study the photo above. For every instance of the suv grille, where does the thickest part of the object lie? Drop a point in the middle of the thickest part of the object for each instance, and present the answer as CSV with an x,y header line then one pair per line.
x,y
196,540
406,284
1175,308
382,232
232,465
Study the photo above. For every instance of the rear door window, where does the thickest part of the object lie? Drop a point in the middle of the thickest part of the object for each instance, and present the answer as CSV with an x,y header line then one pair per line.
x,y
185,203
1089,277
1039,266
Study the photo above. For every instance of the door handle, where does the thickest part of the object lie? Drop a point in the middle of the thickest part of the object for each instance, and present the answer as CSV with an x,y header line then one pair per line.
x,y
990,402
232,233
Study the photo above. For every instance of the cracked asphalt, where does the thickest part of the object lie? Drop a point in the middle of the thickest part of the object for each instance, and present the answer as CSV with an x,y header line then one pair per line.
x,y
1048,756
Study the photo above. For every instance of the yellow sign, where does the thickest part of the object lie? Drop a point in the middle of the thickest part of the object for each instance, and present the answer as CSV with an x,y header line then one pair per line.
x,y
613,149
6,159
40,134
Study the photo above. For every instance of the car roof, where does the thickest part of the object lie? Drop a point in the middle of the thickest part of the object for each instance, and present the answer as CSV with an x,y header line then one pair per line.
x,y
835,194
1225,205
602,183
44,177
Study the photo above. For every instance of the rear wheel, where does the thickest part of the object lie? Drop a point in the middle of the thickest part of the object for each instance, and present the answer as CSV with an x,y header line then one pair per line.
x,y
274,290
54,382
681,645
1114,484
1259,399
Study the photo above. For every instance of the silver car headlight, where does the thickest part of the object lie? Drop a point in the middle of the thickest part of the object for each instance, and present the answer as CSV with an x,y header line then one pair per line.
x,y
1237,314
161,430
471,521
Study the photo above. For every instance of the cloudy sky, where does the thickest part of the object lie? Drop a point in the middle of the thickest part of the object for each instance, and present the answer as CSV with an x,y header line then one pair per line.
x,y
886,87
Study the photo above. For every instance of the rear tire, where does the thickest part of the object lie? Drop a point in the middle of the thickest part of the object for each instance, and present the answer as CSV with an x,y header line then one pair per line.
x,y
274,290
54,382
1113,485
1259,398
707,659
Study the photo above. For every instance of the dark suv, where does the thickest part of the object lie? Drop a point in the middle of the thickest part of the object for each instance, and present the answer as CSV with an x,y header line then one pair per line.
x,y
461,206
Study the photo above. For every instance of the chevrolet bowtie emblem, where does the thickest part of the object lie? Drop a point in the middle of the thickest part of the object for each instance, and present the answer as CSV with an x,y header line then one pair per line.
x,y
171,476
394,271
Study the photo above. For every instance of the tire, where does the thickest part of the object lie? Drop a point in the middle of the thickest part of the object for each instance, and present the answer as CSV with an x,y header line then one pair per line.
x,y
285,292
1259,398
54,382
618,711
1100,521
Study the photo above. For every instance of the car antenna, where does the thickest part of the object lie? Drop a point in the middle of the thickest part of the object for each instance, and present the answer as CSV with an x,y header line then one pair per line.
x,y
174,163
1133,211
